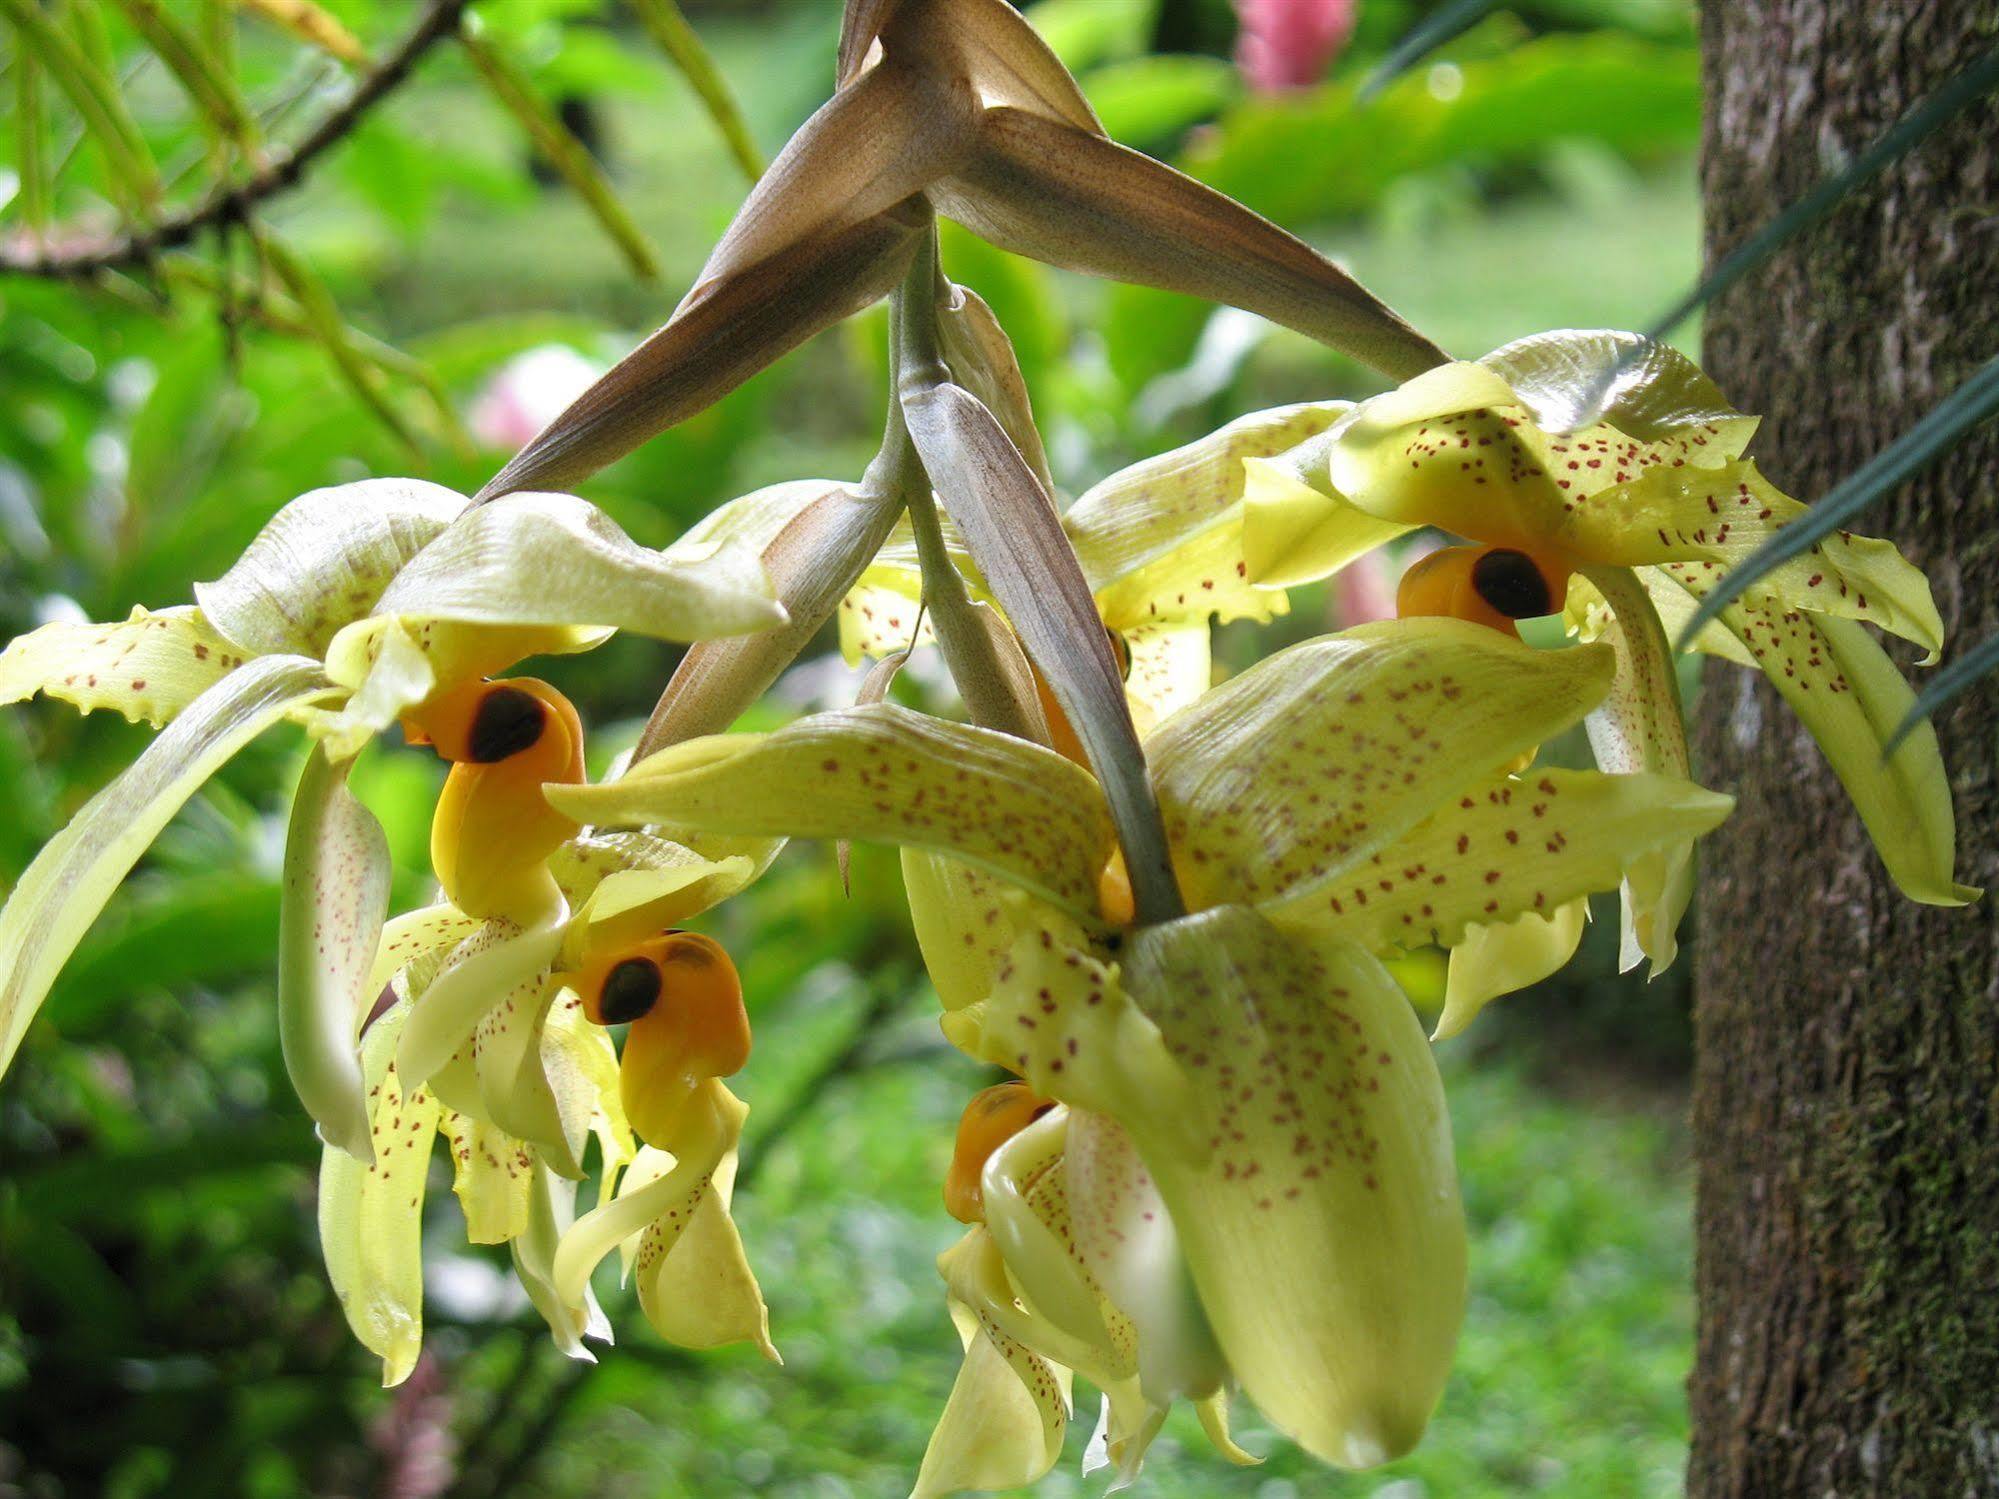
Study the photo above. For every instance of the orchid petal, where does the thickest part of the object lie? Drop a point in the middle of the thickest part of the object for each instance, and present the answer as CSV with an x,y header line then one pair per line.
x,y
336,896
553,560
1659,394
1163,539
491,1175
1721,515
1508,846
1446,449
1063,1020
750,522
652,1192
1006,1417
551,1214
881,773
149,667
486,967
1280,781
414,943
1124,1234
1321,1222
322,561
627,886
1847,692
1639,727
371,1216
1492,959
1171,666
515,1089
1295,530
962,924
694,1280
61,893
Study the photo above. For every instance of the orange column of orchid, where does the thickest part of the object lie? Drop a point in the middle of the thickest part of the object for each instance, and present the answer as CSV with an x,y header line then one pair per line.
x,y
682,998
494,829
993,1117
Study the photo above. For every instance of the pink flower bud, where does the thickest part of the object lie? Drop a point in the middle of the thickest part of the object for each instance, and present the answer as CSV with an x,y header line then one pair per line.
x,y
1286,44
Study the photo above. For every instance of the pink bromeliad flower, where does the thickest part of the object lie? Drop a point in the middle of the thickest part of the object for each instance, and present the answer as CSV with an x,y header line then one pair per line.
x,y
1287,44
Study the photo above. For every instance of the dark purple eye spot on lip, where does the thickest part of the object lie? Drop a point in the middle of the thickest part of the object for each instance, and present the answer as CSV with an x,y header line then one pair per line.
x,y
631,989
1511,583
508,721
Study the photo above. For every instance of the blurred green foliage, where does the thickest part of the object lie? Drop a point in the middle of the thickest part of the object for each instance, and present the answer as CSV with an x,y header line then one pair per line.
x,y
164,1323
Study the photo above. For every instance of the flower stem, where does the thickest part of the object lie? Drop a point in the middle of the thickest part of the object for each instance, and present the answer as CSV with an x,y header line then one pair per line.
x,y
1015,535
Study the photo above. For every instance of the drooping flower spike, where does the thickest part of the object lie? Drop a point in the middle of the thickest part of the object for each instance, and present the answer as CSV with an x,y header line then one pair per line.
x,y
1342,798
353,607
1624,524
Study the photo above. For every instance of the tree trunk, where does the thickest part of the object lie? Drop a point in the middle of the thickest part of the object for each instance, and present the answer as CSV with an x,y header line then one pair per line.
x,y
1846,1107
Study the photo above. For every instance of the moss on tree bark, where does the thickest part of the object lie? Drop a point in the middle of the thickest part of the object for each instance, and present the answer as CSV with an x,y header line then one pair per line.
x,y
1846,1107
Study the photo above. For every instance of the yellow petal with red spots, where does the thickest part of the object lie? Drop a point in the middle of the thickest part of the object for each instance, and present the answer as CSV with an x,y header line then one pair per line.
x,y
371,1216
1844,688
881,774
1277,783
1163,539
1504,848
1721,515
1495,959
1320,1218
148,667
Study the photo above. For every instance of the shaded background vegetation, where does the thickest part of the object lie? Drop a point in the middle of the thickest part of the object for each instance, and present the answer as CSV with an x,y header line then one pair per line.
x,y
165,1326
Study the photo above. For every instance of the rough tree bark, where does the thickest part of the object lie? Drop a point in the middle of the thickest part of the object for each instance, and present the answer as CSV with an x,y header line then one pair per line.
x,y
1846,1108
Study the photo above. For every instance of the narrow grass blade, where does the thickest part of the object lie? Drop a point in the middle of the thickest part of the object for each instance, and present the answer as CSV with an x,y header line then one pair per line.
x,y
569,156
679,41
312,25
205,79
1947,685
97,99
1425,37
29,125
1975,400
322,320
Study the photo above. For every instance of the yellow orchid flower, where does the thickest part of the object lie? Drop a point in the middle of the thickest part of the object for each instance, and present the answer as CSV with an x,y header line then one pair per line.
x,y
1054,1224
1623,524
353,607
498,1039
1345,797
1161,544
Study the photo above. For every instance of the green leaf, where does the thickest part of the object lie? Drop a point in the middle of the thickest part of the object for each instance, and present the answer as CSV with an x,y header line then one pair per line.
x,y
678,40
